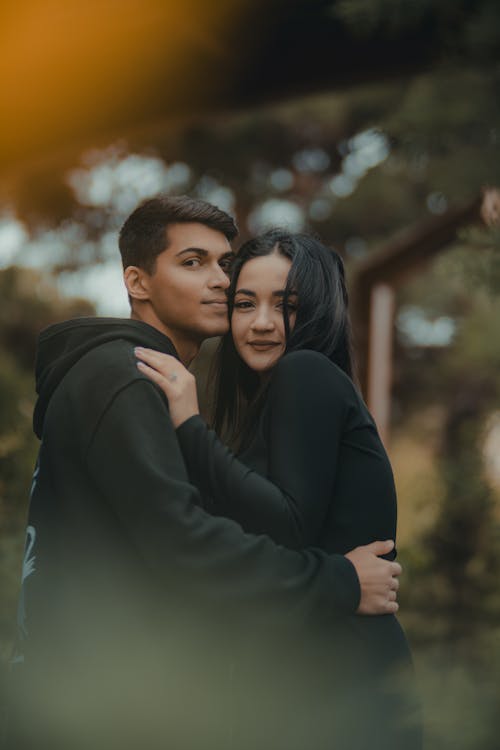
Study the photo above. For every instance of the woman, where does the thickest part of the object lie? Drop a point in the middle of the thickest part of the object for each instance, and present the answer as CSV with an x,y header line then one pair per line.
x,y
311,470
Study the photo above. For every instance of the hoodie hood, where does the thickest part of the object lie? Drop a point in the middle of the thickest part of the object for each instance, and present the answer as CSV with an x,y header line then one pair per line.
x,y
62,345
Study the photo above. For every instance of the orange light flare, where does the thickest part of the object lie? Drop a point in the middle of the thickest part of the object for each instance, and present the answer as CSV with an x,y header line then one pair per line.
x,y
71,69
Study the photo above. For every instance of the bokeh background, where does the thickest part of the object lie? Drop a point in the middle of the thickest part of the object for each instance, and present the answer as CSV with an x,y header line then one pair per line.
x,y
376,124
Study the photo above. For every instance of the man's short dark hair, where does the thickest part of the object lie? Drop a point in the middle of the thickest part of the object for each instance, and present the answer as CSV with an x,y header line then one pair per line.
x,y
144,235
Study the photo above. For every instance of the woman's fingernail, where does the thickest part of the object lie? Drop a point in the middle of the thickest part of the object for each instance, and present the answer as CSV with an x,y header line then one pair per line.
x,y
139,350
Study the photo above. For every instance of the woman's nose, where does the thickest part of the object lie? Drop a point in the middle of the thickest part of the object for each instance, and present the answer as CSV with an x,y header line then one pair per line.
x,y
263,321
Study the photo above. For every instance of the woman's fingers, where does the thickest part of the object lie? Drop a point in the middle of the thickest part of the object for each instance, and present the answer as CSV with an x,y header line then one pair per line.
x,y
176,382
164,363
156,376
168,370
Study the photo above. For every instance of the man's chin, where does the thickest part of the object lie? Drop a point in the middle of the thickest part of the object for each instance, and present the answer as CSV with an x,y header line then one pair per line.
x,y
215,330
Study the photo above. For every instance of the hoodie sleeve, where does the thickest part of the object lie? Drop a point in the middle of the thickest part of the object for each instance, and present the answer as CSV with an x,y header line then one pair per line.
x,y
136,463
309,402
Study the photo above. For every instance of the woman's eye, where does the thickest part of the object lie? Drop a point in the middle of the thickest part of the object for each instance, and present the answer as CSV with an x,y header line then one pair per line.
x,y
192,262
290,307
243,305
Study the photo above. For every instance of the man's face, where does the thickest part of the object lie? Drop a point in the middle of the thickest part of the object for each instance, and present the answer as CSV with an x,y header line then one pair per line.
x,y
187,289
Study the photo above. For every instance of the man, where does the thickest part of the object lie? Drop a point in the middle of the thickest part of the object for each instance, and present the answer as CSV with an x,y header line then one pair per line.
x,y
132,594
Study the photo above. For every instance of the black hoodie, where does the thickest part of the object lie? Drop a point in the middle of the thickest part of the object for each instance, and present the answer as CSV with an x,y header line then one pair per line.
x,y
120,556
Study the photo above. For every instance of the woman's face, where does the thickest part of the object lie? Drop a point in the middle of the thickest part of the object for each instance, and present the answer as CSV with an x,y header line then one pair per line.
x,y
257,324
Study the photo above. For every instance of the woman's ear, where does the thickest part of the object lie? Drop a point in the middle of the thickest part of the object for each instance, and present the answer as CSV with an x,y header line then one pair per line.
x,y
137,282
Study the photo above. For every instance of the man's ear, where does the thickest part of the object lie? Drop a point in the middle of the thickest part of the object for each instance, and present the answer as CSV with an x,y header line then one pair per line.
x,y
137,283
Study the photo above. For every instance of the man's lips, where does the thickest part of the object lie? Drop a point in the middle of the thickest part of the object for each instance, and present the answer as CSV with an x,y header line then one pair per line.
x,y
218,303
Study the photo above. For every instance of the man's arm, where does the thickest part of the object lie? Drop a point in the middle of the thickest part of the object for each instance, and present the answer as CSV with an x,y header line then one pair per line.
x,y
136,464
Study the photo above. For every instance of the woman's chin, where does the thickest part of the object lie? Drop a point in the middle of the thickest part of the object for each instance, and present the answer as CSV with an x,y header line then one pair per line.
x,y
261,365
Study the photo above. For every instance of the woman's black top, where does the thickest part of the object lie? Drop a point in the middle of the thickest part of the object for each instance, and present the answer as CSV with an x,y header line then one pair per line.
x,y
315,474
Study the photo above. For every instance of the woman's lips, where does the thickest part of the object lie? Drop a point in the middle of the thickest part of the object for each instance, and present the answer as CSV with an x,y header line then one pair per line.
x,y
263,346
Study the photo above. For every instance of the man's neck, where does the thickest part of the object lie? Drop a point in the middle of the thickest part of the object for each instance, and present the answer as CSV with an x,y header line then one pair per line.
x,y
187,349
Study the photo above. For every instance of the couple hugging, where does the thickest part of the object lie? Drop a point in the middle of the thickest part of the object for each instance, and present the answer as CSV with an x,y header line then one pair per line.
x,y
181,594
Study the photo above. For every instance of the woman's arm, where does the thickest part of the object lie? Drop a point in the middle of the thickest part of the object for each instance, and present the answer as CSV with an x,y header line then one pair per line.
x,y
257,504
308,402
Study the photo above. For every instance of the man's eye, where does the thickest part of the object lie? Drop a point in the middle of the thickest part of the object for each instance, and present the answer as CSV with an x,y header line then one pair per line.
x,y
192,262
225,264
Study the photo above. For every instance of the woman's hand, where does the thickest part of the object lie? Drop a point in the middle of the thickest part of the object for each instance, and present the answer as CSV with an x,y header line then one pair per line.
x,y
177,383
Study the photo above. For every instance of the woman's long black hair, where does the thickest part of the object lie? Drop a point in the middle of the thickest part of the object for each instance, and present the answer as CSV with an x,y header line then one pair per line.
x,y
322,324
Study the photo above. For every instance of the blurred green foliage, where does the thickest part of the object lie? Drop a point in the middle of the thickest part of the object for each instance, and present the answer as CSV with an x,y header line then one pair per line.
x,y
450,598
30,302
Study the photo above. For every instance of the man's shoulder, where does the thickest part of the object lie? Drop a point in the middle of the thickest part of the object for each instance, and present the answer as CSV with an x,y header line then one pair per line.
x,y
110,365
100,376
87,368
89,353
118,353
105,377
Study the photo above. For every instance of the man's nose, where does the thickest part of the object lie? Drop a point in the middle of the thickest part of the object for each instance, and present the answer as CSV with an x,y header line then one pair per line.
x,y
219,279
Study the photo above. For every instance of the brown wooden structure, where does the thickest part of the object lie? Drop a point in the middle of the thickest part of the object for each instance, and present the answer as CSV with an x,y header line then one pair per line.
x,y
373,284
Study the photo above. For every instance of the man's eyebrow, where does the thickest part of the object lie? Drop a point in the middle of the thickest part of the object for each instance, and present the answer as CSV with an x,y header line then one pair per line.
x,y
204,253
198,250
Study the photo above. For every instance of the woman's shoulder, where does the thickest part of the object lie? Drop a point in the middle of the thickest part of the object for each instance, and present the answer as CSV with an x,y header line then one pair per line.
x,y
311,380
308,361
312,368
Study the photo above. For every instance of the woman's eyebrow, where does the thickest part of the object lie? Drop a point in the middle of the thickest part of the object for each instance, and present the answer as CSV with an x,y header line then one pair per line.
x,y
277,293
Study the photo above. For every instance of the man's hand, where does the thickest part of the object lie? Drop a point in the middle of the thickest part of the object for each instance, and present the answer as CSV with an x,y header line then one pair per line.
x,y
378,578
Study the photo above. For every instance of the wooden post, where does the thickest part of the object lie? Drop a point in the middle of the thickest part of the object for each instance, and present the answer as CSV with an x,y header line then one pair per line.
x,y
382,306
